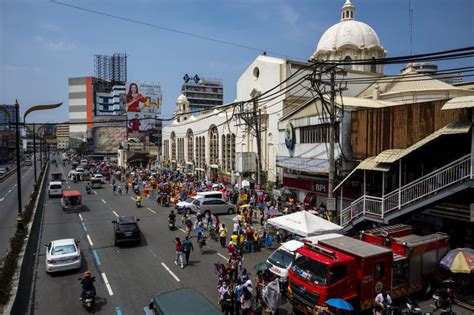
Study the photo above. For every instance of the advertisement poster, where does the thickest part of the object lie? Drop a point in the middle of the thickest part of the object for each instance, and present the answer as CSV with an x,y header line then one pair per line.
x,y
108,139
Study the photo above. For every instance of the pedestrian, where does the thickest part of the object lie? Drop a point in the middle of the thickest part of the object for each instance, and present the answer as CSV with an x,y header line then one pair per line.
x,y
237,296
223,235
246,298
228,301
126,188
201,242
114,188
223,288
188,247
179,252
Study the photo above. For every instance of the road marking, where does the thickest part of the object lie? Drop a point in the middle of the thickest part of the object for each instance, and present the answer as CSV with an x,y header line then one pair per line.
x,y
151,210
2,199
10,191
118,310
104,201
95,192
89,239
14,185
171,272
222,256
115,213
107,284
183,230
133,199
154,255
80,217
84,227
97,259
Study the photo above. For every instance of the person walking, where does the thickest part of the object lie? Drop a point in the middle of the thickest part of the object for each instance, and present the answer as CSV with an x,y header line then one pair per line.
x,y
188,247
223,235
126,188
201,242
179,252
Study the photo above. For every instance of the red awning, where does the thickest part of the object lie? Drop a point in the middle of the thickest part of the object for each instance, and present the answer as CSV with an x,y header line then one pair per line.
x,y
71,193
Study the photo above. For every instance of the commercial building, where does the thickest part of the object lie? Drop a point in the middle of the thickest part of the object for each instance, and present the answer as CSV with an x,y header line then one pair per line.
x,y
7,117
81,107
7,132
62,136
203,93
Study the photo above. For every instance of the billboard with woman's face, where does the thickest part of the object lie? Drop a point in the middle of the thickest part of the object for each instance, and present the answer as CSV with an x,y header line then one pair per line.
x,y
143,105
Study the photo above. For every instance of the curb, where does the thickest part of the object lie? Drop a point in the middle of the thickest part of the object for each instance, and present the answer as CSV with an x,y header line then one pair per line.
x,y
7,308
9,173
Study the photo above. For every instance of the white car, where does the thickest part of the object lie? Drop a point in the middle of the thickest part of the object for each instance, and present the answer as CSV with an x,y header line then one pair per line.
x,y
191,204
63,255
99,176
55,188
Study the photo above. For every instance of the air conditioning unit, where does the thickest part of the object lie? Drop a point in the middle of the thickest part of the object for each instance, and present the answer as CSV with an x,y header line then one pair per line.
x,y
245,162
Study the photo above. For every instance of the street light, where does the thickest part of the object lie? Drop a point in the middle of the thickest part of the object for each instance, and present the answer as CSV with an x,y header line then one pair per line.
x,y
30,110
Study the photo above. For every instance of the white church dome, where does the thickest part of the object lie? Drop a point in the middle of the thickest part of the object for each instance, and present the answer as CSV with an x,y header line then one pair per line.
x,y
182,99
350,40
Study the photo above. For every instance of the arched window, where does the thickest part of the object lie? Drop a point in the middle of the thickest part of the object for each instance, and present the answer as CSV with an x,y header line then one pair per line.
x,y
223,153
213,145
173,146
348,59
232,152
190,138
373,66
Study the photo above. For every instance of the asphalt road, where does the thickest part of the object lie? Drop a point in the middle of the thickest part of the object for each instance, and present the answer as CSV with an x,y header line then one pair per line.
x,y
9,203
127,277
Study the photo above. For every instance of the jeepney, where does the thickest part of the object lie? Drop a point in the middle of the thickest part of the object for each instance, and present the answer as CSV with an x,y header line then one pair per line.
x,y
71,200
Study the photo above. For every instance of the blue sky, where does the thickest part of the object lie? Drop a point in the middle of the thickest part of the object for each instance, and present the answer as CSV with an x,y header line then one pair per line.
x,y
43,44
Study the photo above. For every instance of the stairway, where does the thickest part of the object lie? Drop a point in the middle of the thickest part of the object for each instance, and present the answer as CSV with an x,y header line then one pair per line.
x,y
441,183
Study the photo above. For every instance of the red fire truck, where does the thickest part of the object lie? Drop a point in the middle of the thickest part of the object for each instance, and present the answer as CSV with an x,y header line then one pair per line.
x,y
389,259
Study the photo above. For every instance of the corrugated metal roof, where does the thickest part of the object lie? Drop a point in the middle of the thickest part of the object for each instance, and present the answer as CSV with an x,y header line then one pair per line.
x,y
459,102
356,247
362,102
393,155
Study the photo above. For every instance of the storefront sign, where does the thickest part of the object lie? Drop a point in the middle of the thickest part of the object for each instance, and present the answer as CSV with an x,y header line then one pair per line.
x,y
317,185
290,139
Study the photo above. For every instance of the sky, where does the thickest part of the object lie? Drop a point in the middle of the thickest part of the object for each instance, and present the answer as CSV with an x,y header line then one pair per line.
x,y
42,43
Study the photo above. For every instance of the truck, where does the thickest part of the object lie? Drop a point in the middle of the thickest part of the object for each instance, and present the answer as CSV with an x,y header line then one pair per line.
x,y
389,259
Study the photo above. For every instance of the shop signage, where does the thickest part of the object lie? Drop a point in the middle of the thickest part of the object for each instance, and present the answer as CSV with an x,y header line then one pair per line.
x,y
290,139
317,185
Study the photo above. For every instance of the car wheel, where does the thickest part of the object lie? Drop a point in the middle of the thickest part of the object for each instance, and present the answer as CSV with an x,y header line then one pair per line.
x,y
230,211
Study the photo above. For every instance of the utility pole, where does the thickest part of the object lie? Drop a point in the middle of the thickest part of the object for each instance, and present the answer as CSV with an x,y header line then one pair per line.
x,y
34,151
19,216
258,136
331,202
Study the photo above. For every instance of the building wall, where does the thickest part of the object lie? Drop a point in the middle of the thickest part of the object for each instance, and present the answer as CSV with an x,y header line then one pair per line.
x,y
398,127
80,106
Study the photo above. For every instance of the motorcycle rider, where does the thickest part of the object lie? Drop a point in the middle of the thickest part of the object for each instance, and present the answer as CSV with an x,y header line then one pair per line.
x,y
87,284
382,300
138,200
88,188
172,217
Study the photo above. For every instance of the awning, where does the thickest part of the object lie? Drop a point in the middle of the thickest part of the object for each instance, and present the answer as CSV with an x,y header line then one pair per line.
x,y
369,164
393,155
199,169
459,102
304,165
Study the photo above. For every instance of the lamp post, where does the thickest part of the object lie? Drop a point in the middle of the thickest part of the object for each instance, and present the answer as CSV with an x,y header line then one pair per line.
x,y
19,216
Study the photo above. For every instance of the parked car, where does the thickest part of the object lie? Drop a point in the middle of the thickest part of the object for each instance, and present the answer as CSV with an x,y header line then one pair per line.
x,y
2,171
126,229
63,255
215,206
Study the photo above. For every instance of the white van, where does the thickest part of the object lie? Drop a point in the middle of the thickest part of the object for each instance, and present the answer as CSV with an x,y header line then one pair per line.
x,y
55,188
282,258
210,194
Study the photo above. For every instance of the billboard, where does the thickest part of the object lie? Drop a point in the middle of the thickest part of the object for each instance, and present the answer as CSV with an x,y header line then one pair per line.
x,y
108,139
143,105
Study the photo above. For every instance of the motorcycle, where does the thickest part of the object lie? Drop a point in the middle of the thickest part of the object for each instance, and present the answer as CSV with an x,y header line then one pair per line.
x,y
138,203
171,224
88,189
413,308
88,298
444,297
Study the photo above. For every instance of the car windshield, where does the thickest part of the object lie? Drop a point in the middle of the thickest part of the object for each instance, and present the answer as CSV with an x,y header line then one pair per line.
x,y
189,200
281,258
55,186
311,270
128,226
63,249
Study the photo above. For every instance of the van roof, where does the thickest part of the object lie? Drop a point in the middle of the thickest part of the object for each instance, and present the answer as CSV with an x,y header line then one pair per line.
x,y
56,183
204,193
291,246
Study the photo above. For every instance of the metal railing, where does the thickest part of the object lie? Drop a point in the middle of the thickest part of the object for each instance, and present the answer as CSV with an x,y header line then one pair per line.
x,y
420,188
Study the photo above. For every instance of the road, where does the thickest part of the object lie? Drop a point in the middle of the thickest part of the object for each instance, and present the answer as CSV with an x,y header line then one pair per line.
x,y
129,276
9,203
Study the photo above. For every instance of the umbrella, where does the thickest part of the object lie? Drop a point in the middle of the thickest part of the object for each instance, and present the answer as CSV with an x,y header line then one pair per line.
x,y
245,183
237,218
340,304
261,266
459,260
199,230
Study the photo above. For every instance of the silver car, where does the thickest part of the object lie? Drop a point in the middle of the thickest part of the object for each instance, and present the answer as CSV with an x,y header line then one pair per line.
x,y
63,255
215,206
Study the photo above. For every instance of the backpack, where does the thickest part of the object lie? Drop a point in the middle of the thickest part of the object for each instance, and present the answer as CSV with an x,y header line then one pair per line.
x,y
246,293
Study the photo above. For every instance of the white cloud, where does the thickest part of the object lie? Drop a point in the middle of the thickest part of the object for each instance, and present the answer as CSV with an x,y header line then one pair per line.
x,y
60,45
50,27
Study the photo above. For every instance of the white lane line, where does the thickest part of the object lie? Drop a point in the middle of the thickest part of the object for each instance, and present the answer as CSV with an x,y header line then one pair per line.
x,y
133,199
171,272
10,191
151,210
183,230
89,239
222,256
69,187
80,217
104,201
107,284
116,214
95,192
1,199
14,185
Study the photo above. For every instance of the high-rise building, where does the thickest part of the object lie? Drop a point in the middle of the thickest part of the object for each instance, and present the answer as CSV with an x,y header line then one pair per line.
x,y
62,136
111,68
81,106
202,93
9,119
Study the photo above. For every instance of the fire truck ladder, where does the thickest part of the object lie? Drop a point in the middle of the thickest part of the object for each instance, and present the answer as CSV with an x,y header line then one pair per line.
x,y
437,185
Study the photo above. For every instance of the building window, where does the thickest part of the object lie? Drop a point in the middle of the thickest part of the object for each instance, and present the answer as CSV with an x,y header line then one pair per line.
x,y
189,135
373,66
213,145
224,153
166,149
317,134
232,152
173,146
180,150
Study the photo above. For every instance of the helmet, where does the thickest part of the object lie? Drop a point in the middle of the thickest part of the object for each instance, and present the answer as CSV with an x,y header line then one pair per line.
x,y
87,273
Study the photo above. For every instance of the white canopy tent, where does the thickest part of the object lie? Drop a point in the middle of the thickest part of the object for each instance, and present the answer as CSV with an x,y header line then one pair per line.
x,y
304,224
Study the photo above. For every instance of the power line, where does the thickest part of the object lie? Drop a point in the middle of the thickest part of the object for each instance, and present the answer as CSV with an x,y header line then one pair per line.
x,y
168,29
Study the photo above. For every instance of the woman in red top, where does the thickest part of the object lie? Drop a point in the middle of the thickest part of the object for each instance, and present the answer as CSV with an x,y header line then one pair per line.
x,y
134,98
